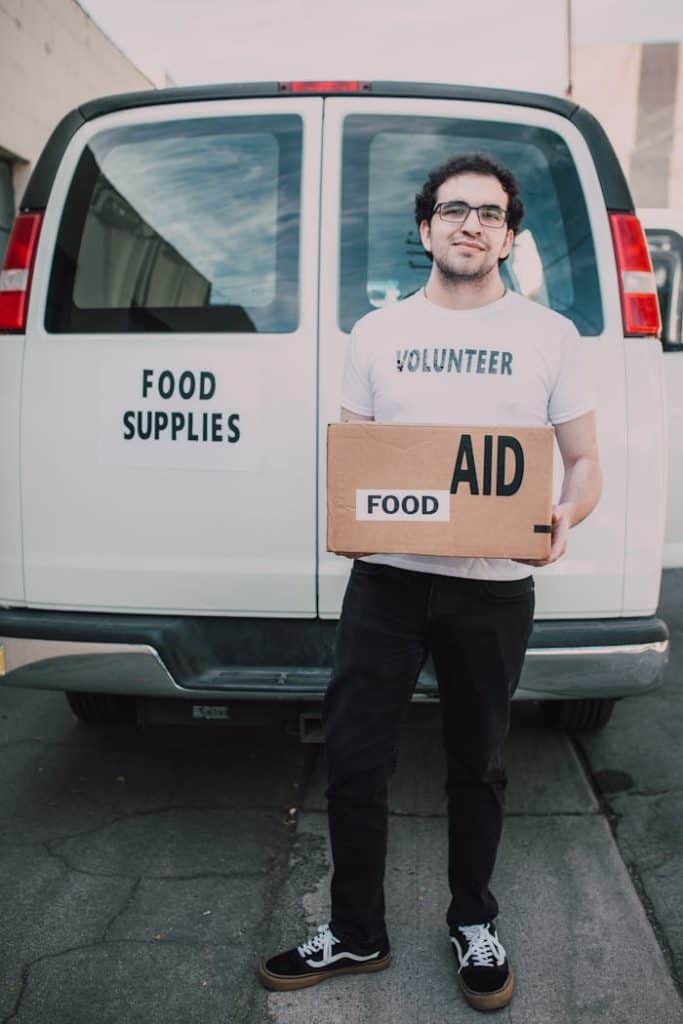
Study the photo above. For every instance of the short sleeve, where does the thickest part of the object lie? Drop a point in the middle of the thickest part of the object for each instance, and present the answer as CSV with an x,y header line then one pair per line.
x,y
573,393
357,395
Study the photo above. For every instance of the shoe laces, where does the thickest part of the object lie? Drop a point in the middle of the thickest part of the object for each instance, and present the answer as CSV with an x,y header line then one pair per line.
x,y
483,947
323,940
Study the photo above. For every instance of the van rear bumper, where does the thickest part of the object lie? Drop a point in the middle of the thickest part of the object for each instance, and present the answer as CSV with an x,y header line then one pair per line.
x,y
182,657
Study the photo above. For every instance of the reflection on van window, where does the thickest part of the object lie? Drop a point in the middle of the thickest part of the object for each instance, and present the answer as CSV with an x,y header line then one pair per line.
x,y
386,159
191,225
666,250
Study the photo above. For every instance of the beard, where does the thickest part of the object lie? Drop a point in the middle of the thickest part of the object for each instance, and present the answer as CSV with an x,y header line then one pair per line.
x,y
455,275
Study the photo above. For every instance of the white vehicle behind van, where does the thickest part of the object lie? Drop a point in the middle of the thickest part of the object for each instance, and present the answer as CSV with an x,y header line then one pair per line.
x,y
176,301
664,232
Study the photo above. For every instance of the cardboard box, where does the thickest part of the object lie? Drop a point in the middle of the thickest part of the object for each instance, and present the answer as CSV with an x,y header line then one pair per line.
x,y
439,490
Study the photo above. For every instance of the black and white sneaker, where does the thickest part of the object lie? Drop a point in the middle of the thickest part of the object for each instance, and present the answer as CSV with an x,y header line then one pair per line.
x,y
484,972
324,956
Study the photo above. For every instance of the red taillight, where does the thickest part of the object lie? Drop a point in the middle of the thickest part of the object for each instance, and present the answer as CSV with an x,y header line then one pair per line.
x,y
637,285
324,86
17,269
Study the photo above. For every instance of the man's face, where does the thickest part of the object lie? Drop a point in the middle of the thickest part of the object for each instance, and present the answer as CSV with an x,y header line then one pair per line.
x,y
467,251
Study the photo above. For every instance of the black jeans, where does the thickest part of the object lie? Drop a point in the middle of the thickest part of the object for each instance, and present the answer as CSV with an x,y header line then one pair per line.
x,y
477,632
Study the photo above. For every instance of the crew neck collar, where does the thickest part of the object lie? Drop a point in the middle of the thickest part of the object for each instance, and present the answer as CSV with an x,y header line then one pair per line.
x,y
488,309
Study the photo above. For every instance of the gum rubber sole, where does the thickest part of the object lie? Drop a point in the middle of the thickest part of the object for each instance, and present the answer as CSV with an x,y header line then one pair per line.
x,y
490,1000
278,983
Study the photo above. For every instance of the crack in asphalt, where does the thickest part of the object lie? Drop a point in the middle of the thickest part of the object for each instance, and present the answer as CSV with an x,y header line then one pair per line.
x,y
20,996
26,970
126,902
648,793
651,914
97,944
68,865
257,998
613,819
153,812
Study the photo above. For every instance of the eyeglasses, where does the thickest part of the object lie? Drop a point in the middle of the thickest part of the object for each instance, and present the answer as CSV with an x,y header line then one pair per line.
x,y
456,212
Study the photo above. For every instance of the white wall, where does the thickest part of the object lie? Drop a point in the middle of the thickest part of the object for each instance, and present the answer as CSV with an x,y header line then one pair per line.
x,y
52,57
609,81
676,182
606,82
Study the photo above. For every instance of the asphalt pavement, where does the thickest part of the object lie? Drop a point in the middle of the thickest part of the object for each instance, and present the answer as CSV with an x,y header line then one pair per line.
x,y
142,873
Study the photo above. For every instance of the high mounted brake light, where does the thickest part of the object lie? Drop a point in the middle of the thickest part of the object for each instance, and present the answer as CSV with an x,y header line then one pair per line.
x,y
637,286
324,87
17,270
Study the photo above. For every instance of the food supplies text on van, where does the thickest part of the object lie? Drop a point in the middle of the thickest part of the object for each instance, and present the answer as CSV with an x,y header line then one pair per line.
x,y
146,424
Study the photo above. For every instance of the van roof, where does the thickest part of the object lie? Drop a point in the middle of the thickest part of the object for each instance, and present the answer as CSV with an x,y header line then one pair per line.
x,y
614,187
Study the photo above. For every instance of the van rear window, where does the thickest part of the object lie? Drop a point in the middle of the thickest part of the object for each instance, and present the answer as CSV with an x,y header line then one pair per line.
x,y
386,160
189,225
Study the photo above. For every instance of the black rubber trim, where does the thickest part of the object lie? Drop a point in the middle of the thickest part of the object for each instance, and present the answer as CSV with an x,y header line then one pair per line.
x,y
612,181
179,94
252,90
192,646
43,175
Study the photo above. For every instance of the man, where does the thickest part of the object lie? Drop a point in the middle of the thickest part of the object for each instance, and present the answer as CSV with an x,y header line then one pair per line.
x,y
475,615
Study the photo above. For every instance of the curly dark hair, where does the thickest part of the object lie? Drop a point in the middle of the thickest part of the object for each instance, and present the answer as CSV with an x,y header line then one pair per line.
x,y
469,163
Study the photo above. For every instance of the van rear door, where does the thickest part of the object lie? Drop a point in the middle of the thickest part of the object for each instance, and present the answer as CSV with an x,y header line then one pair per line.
x,y
169,395
377,153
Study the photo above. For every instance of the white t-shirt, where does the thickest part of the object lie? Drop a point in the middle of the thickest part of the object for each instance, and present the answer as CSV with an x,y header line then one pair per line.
x,y
510,363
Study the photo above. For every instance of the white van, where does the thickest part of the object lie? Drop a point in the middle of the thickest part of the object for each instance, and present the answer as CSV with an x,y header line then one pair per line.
x,y
664,232
176,301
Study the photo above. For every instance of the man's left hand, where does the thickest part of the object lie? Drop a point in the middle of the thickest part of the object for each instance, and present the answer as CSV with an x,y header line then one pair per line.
x,y
561,522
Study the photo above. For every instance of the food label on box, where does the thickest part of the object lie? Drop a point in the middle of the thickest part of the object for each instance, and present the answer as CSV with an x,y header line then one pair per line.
x,y
398,506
